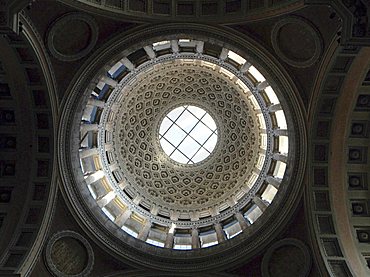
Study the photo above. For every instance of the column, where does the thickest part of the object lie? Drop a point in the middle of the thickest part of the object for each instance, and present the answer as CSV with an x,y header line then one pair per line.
x,y
89,127
109,81
108,147
149,51
213,211
259,202
137,200
174,46
109,126
169,241
280,157
274,108
84,153
231,201
143,235
194,216
242,221
245,67
262,85
280,132
96,102
200,47
113,167
123,184
195,243
224,53
273,181
220,233
122,218
126,62
174,215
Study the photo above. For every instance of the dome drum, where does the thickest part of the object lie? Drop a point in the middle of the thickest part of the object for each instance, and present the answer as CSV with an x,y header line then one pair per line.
x,y
125,173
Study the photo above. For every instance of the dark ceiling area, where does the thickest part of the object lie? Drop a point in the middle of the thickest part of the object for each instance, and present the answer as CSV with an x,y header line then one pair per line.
x,y
67,114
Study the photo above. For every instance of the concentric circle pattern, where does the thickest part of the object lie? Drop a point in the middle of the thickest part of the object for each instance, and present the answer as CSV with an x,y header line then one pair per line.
x,y
153,178
181,146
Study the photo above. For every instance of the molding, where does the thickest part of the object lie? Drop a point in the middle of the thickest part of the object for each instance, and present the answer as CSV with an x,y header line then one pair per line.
x,y
244,13
321,173
151,273
37,46
56,27
68,234
287,242
326,62
28,157
338,161
300,22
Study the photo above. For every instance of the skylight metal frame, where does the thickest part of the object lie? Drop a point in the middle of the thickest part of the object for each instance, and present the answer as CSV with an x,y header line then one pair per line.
x,y
188,134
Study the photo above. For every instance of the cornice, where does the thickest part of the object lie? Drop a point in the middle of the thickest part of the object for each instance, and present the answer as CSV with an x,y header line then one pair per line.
x,y
244,13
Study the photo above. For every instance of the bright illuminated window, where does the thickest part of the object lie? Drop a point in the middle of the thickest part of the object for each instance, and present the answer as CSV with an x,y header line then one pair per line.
x,y
237,58
187,42
256,74
283,145
182,247
164,42
230,236
269,193
208,239
279,169
129,231
92,191
233,229
280,117
155,242
253,213
208,244
271,95
188,134
108,214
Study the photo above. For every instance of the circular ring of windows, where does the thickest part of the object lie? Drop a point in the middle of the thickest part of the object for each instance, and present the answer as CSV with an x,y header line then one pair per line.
x,y
187,135
183,144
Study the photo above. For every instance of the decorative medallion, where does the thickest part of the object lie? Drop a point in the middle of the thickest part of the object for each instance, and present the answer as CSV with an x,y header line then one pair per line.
x,y
287,257
72,36
68,254
296,41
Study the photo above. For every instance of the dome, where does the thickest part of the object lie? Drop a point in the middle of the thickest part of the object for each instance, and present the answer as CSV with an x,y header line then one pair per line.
x,y
180,142
184,138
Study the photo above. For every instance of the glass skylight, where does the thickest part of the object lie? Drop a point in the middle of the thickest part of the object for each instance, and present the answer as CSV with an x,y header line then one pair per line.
x,y
188,134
